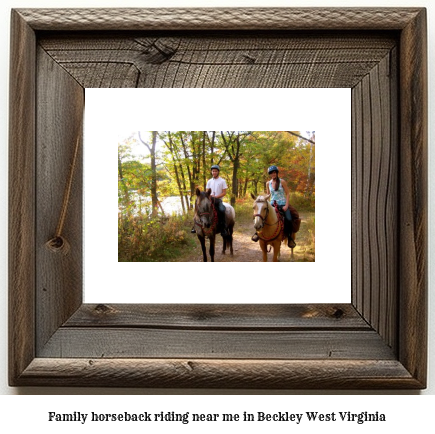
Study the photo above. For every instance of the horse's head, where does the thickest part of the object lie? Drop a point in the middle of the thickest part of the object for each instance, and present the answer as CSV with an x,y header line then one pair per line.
x,y
203,207
261,210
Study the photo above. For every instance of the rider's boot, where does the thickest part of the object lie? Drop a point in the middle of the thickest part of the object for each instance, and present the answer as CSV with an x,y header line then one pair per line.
x,y
291,242
223,231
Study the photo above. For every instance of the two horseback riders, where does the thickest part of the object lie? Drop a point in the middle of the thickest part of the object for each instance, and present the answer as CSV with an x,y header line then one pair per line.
x,y
279,195
209,204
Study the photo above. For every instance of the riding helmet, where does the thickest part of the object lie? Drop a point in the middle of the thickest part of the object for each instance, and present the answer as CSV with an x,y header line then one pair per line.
x,y
215,167
272,169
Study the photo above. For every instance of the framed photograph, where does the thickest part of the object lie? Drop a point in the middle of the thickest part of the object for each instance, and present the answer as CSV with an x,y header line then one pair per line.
x,y
148,247
377,341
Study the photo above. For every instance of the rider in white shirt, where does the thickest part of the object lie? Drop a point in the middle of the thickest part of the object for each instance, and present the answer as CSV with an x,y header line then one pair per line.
x,y
218,188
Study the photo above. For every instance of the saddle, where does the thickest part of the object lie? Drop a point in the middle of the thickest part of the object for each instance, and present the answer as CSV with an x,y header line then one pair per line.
x,y
296,220
220,209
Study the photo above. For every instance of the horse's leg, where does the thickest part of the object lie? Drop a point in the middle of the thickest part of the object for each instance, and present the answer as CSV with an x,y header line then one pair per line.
x,y
263,246
230,239
276,250
224,245
292,258
204,253
212,241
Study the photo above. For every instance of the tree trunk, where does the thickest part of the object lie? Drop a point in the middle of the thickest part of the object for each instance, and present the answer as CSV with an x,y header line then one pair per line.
x,y
161,208
308,186
196,163
154,175
186,157
310,178
235,182
124,186
152,149
180,190
186,196
213,137
245,188
301,137
172,149
204,168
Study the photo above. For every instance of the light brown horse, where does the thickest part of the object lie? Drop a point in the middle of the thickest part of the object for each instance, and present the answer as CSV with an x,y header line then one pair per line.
x,y
270,228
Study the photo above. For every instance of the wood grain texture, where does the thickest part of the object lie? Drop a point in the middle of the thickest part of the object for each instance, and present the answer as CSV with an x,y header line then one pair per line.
x,y
220,317
378,342
413,198
21,197
375,198
228,374
301,345
59,277
236,60
220,18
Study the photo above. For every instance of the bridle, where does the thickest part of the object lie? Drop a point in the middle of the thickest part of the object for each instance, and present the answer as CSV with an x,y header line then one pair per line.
x,y
279,222
208,231
263,219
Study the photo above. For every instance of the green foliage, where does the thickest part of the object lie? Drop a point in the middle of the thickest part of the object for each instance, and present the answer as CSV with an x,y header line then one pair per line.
x,y
301,202
135,180
144,239
178,162
244,210
306,238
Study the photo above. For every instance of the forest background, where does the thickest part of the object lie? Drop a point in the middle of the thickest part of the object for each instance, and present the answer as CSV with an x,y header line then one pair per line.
x,y
156,187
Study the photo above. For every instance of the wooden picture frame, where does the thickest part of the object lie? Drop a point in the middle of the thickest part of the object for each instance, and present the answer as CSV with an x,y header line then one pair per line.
x,y
376,342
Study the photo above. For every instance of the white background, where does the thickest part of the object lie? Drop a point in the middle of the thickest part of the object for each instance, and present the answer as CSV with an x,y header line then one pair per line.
x,y
111,114
407,412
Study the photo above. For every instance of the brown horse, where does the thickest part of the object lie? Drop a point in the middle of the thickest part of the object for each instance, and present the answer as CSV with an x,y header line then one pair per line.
x,y
270,228
206,223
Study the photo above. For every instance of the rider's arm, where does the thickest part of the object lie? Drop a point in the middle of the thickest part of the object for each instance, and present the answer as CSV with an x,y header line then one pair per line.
x,y
224,192
284,186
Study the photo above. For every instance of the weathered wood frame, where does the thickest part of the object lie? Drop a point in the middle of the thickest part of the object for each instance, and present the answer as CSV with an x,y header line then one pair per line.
x,y
377,341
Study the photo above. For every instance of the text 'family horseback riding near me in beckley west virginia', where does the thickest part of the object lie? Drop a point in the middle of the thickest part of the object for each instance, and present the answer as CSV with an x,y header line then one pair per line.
x,y
187,417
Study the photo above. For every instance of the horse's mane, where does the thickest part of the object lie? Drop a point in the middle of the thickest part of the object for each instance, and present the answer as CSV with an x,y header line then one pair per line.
x,y
202,195
261,198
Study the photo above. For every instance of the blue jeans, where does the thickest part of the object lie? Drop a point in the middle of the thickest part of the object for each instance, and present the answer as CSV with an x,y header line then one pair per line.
x,y
288,226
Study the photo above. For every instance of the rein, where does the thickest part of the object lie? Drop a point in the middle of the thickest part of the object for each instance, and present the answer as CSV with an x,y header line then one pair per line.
x,y
262,218
279,223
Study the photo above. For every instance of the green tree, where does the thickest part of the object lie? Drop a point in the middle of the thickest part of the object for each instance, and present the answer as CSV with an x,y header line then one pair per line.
x,y
234,144
152,150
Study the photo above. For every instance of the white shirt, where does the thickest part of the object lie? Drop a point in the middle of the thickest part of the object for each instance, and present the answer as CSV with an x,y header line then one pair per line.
x,y
217,185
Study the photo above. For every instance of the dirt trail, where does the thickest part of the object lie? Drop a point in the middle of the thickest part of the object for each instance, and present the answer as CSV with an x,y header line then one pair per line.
x,y
245,250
